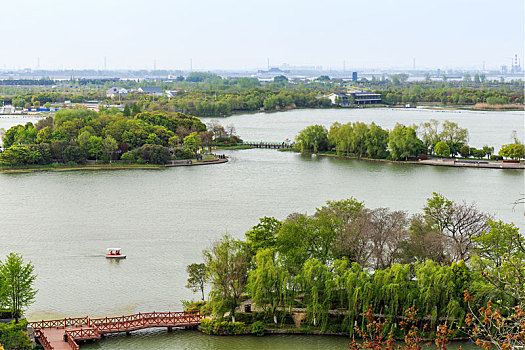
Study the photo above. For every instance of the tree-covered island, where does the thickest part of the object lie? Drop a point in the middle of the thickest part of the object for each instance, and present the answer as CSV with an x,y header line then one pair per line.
x,y
80,136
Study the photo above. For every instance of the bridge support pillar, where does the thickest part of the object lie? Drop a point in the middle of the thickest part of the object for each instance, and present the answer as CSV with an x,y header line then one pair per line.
x,y
170,329
128,333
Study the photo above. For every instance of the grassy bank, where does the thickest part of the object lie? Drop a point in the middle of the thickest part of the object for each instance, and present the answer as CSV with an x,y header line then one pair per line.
x,y
64,167
56,167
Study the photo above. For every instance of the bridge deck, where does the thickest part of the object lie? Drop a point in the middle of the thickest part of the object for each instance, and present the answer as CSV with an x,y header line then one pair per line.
x,y
63,334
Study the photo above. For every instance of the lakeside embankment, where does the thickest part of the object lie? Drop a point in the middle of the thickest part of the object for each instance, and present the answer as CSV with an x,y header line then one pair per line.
x,y
113,166
449,162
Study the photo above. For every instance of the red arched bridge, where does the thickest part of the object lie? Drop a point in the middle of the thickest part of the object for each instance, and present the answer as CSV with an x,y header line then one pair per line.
x,y
64,333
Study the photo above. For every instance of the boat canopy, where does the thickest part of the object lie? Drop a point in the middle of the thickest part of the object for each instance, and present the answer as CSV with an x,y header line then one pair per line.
x,y
113,249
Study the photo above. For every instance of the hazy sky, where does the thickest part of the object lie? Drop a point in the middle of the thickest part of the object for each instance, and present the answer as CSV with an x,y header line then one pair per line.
x,y
242,34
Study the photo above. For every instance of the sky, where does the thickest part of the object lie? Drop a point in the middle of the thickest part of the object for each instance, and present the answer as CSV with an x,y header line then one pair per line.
x,y
244,34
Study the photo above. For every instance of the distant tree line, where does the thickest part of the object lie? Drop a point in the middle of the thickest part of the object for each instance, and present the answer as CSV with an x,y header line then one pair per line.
x,y
444,94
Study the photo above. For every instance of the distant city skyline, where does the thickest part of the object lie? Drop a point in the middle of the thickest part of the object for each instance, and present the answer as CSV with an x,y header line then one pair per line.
x,y
243,35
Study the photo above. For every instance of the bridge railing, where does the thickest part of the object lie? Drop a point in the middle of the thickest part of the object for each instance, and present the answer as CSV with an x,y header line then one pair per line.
x,y
83,333
78,321
43,340
71,342
146,320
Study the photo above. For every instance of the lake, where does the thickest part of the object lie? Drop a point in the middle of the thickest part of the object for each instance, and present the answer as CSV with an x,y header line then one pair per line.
x,y
163,219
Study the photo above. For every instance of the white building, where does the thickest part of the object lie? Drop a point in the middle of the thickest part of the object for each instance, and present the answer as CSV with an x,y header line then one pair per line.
x,y
116,91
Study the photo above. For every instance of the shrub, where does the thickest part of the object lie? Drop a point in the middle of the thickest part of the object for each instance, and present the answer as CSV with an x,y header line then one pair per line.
x,y
183,153
128,157
210,326
14,336
257,328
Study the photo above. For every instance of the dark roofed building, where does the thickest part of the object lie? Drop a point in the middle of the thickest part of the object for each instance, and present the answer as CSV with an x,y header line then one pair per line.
x,y
366,98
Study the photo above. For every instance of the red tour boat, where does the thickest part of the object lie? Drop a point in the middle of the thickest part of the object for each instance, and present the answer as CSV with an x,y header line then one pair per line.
x,y
114,253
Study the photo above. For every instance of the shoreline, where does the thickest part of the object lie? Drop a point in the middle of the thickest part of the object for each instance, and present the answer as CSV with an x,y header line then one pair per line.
x,y
91,167
447,162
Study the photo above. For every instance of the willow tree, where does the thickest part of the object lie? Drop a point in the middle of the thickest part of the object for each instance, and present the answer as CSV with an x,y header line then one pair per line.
x,y
313,138
393,290
317,286
351,294
227,264
268,283
440,290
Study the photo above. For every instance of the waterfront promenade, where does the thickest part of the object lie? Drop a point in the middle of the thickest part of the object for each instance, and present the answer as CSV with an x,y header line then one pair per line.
x,y
67,332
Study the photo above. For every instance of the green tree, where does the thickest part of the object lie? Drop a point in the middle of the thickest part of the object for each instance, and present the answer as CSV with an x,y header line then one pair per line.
x,y
135,109
83,140
96,147
464,151
15,155
110,146
488,150
197,278
263,235
513,151
45,135
403,142
19,281
313,138
500,239
227,263
442,150
192,142
454,136
267,283
127,111
74,154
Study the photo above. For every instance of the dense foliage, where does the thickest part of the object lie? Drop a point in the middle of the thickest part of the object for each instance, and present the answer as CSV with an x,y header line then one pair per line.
x,y
346,258
79,135
13,336
401,143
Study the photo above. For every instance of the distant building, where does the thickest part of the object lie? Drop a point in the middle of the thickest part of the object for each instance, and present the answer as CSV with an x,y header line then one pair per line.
x,y
151,90
172,93
338,98
365,98
273,71
354,76
116,91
